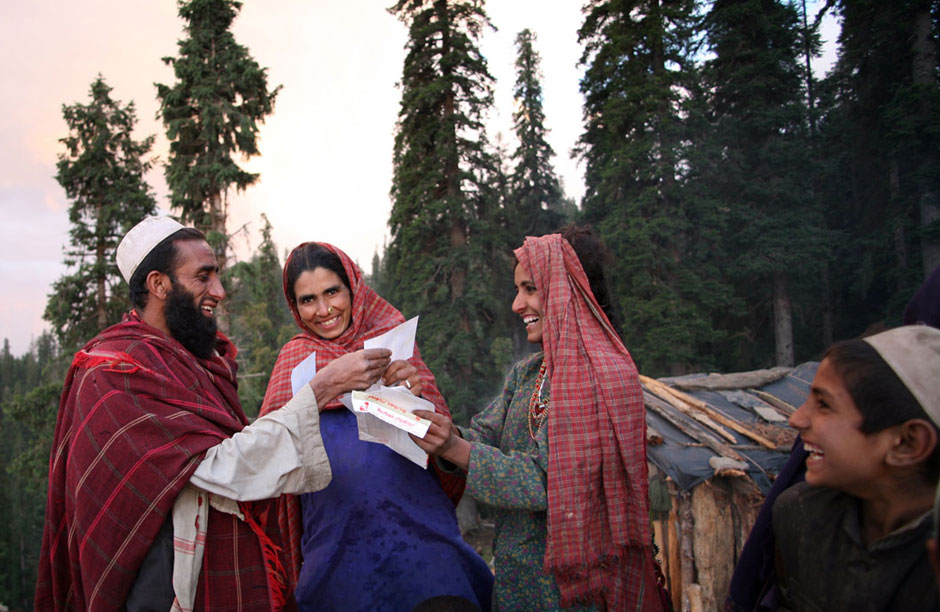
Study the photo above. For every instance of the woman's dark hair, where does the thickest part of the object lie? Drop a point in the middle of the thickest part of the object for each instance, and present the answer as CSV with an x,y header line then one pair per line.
x,y
164,259
593,256
879,395
310,257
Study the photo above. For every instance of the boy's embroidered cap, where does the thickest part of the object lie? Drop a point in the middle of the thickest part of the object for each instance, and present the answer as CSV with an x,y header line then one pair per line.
x,y
913,352
140,240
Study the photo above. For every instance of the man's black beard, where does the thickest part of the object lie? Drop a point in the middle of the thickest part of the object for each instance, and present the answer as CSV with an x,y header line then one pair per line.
x,y
188,324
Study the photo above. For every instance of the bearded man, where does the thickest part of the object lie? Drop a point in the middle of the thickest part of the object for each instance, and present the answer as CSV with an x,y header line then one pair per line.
x,y
160,492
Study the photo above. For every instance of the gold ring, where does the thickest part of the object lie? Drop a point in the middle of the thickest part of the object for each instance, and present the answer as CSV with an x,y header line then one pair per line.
x,y
329,310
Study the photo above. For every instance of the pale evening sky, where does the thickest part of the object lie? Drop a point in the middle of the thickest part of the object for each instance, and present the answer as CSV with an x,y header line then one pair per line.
x,y
326,151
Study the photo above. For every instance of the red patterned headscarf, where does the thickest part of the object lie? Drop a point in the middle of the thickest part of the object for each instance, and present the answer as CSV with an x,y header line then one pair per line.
x,y
371,317
599,545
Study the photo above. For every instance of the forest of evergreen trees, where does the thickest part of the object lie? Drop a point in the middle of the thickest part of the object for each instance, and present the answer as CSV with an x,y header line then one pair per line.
x,y
755,211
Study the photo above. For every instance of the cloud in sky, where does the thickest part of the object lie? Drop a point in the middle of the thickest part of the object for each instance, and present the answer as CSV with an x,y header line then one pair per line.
x,y
326,151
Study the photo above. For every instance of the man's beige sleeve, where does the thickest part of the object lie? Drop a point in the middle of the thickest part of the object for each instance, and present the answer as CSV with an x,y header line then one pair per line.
x,y
281,452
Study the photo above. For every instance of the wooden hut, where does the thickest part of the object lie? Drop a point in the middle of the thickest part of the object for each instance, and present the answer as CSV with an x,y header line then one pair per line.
x,y
714,445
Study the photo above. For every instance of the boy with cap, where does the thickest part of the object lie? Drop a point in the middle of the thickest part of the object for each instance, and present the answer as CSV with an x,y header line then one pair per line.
x,y
852,537
160,492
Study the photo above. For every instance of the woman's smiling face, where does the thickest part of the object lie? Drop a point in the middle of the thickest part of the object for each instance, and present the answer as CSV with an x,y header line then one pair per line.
x,y
528,304
323,302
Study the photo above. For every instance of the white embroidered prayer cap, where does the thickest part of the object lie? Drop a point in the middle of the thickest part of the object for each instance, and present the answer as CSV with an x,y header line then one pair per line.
x,y
140,240
913,352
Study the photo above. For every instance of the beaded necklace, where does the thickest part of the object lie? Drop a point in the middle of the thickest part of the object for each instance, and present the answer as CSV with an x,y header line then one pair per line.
x,y
538,408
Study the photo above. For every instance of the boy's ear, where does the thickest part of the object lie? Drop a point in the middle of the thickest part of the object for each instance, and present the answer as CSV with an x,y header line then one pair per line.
x,y
917,438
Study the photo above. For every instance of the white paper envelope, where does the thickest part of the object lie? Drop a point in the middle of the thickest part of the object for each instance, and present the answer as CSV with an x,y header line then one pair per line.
x,y
303,373
394,407
400,340
384,416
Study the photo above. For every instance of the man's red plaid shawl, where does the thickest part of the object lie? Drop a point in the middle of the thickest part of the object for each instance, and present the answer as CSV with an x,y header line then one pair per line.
x,y
138,412
599,545
371,316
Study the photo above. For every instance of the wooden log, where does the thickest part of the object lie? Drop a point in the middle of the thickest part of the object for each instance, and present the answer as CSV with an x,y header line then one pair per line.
x,y
660,534
674,571
664,409
656,386
774,401
686,545
746,502
713,541
732,380
695,598
665,393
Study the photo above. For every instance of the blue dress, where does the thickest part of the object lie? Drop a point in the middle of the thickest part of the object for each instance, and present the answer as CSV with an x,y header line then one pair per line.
x,y
382,536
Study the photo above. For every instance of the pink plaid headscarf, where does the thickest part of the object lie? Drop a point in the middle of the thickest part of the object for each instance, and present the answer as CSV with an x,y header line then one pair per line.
x,y
599,545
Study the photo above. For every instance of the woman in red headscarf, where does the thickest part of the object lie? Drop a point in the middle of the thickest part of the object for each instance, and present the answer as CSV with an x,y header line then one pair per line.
x,y
561,453
383,535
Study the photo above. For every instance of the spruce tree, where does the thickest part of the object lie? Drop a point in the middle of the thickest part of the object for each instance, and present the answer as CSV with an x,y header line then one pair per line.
x,y
879,129
535,204
635,150
442,254
763,175
211,113
102,172
30,387
261,322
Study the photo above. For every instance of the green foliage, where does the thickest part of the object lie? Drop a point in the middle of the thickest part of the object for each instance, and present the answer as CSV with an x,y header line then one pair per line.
x,y
761,167
445,250
536,202
29,397
102,172
260,319
636,146
879,131
211,114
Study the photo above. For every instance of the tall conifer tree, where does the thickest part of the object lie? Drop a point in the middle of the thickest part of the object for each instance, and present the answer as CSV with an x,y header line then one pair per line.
x,y
261,321
442,253
638,66
536,200
212,113
880,129
763,175
102,172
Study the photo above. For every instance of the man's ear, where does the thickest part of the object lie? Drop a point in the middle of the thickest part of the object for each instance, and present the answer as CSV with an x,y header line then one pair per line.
x,y
917,438
158,285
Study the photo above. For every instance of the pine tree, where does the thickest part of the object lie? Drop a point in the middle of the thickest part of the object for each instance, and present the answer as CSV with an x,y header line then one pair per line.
x,y
635,150
536,201
880,130
261,321
211,114
102,172
763,175
30,387
442,253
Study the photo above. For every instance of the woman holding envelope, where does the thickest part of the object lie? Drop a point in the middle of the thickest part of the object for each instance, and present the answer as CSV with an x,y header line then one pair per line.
x,y
383,535
561,453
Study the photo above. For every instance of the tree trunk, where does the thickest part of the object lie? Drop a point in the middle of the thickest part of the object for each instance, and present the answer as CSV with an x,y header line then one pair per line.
x,y
218,240
215,229
101,298
898,236
827,333
924,66
783,321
